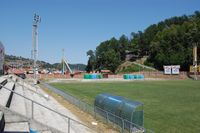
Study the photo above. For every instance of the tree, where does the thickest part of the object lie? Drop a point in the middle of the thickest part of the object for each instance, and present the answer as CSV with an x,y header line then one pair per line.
x,y
91,61
112,60
108,55
165,43
123,46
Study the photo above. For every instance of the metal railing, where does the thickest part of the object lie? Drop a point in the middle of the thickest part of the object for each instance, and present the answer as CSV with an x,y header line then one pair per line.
x,y
28,88
70,120
125,126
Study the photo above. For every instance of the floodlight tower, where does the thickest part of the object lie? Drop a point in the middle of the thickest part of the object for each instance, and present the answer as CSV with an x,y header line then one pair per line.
x,y
36,21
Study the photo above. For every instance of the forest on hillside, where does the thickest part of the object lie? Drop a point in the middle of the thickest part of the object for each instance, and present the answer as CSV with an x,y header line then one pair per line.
x,y
168,42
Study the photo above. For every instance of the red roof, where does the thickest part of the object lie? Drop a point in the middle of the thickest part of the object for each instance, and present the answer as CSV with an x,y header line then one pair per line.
x,y
17,71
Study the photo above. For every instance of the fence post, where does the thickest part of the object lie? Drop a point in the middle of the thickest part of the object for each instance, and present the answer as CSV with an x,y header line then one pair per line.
x,y
32,106
95,112
130,128
68,125
106,116
122,125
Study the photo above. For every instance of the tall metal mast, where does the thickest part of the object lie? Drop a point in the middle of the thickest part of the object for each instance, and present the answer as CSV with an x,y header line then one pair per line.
x,y
63,63
36,21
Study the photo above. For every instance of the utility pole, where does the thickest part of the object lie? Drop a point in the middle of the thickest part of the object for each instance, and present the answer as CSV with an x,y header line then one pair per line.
x,y
195,60
36,21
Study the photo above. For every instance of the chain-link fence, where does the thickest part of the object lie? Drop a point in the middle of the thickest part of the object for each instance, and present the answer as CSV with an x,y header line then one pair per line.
x,y
123,125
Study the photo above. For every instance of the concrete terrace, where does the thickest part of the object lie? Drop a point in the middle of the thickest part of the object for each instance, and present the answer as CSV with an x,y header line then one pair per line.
x,y
37,111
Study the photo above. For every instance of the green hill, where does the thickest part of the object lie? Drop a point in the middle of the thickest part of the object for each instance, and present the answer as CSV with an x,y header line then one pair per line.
x,y
128,67
168,42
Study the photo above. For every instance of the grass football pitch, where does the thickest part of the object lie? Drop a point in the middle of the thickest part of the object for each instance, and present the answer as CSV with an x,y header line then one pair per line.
x,y
169,106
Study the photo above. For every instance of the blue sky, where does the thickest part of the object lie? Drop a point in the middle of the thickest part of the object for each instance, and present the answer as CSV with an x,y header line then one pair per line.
x,y
79,25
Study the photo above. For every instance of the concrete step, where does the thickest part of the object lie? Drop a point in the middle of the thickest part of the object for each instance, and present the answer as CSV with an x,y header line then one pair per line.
x,y
3,81
18,102
19,127
10,96
48,117
2,122
46,132
52,119
5,94
43,115
14,117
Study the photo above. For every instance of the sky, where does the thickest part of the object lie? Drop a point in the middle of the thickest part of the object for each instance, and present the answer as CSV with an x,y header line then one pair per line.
x,y
79,25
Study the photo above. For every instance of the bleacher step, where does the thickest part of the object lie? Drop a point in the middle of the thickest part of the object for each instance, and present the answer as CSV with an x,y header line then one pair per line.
x,y
2,122
3,82
46,132
18,103
19,127
15,117
5,94
2,79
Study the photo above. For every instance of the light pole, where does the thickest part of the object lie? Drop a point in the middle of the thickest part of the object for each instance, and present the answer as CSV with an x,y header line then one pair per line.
x,y
36,21
194,39
195,60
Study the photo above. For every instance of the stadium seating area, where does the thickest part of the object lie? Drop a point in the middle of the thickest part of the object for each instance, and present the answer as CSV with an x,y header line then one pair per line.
x,y
22,111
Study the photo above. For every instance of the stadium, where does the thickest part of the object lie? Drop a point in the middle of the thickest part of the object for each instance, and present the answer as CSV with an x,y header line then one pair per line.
x,y
144,82
95,102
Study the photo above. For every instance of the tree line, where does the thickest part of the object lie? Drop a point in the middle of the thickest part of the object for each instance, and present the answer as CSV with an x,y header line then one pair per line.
x,y
168,42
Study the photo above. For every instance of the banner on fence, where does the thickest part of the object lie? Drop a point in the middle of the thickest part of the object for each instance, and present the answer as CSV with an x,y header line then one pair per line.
x,y
171,69
175,69
167,70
